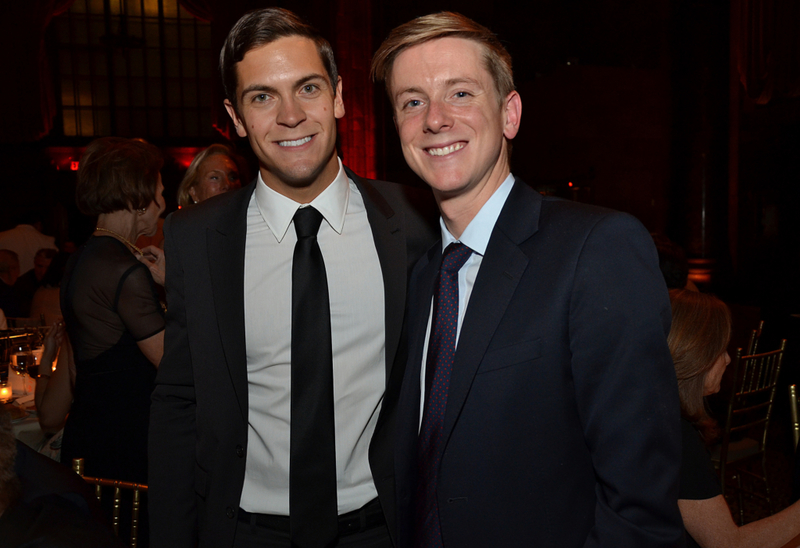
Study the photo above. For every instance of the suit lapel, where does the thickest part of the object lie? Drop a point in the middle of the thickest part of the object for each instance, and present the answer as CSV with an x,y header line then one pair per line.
x,y
501,269
387,232
226,246
419,313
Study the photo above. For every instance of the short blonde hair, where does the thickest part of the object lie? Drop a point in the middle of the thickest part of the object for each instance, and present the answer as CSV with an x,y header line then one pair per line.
x,y
444,24
192,176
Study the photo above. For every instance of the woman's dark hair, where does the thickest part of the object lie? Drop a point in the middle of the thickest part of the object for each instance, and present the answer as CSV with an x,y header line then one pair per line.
x,y
117,174
701,330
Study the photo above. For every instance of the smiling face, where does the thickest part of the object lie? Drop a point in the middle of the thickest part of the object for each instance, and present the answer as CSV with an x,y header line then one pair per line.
x,y
288,111
216,175
452,124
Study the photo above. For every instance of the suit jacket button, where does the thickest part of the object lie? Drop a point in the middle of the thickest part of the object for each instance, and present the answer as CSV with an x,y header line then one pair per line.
x,y
229,512
239,451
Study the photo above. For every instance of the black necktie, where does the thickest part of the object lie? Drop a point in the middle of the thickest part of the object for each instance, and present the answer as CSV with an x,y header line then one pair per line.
x,y
441,352
312,467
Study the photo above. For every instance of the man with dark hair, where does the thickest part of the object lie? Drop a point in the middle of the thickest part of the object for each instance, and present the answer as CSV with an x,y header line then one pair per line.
x,y
271,422
29,282
539,406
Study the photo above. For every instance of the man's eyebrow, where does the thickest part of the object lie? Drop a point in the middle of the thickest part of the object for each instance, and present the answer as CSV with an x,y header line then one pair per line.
x,y
264,88
448,83
407,90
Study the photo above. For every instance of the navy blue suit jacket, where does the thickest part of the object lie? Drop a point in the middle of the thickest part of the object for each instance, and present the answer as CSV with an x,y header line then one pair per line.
x,y
562,426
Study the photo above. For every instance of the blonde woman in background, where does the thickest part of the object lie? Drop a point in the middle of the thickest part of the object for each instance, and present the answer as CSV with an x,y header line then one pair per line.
x,y
213,171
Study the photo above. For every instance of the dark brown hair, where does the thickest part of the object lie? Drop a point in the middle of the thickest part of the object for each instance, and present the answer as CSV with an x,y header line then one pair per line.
x,y
701,330
258,28
117,174
443,25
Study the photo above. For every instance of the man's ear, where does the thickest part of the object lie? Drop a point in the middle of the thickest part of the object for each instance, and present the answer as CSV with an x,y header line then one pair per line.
x,y
512,110
238,123
338,101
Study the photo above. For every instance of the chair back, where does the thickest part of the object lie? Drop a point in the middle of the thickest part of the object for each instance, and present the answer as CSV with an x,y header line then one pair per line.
x,y
137,490
795,416
752,346
750,407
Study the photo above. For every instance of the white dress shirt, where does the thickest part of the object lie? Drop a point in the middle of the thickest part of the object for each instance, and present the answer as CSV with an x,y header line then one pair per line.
x,y
356,293
476,237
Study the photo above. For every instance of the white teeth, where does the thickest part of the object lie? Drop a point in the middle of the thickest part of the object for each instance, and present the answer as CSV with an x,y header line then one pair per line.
x,y
444,151
297,143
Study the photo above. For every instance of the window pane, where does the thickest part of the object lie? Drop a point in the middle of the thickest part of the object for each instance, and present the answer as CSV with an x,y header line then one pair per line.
x,y
134,8
137,92
67,93
121,92
101,93
102,122
188,65
81,60
189,96
87,123
151,8
187,35
70,130
85,92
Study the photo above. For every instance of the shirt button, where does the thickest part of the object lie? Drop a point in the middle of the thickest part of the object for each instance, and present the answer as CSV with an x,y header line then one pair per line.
x,y
239,451
229,512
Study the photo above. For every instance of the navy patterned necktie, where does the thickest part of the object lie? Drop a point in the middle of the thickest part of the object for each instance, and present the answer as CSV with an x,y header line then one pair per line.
x,y
313,516
441,351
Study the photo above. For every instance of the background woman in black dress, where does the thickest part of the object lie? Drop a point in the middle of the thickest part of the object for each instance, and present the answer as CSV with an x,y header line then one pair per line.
x,y
113,316
701,329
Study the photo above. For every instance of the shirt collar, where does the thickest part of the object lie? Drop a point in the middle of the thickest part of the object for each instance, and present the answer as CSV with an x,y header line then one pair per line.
x,y
479,230
278,211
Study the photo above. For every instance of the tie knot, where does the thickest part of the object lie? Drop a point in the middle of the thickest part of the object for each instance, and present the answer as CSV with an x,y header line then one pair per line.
x,y
306,222
455,255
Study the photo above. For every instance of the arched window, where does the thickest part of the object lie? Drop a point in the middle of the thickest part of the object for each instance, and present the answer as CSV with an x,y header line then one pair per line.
x,y
133,68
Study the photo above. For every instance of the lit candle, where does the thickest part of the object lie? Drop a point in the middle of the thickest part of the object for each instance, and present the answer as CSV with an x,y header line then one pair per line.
x,y
5,393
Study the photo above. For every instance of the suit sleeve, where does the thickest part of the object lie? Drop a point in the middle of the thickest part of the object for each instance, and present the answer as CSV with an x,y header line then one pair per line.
x,y
626,387
172,499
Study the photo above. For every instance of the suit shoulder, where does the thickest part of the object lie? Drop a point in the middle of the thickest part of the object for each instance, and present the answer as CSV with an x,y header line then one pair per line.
x,y
208,212
559,211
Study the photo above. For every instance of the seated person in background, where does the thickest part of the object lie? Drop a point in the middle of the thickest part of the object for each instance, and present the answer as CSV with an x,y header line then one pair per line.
x,y
10,300
26,238
213,171
43,503
29,282
701,329
46,300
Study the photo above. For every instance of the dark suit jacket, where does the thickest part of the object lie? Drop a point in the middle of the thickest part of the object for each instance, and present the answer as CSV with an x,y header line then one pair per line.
x,y
562,426
198,421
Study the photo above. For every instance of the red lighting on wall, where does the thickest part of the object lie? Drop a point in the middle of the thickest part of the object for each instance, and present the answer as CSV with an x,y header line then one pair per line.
x,y
74,166
569,183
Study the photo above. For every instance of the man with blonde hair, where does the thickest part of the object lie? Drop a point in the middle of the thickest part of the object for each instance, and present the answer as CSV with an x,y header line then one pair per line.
x,y
539,405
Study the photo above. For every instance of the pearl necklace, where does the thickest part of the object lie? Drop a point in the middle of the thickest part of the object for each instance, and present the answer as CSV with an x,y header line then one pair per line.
x,y
121,237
